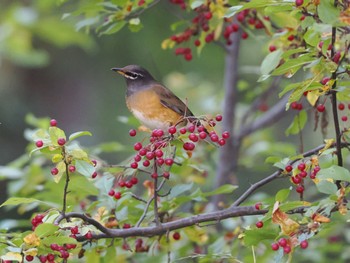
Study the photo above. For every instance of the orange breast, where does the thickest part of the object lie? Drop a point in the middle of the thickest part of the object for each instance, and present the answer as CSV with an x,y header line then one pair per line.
x,y
147,108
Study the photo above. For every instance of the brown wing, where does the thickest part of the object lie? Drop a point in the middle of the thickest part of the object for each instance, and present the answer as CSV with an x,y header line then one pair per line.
x,y
171,101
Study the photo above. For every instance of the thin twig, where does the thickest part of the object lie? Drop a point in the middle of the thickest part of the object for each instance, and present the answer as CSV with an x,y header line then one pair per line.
x,y
144,212
65,191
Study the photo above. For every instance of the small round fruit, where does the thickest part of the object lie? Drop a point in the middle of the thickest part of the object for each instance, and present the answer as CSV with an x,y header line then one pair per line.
x,y
218,117
288,168
39,143
258,206
53,123
301,166
72,168
304,244
300,189
54,171
172,130
117,195
321,108
132,132
299,2
259,224
272,48
29,258
341,106
287,249
225,135
176,236
111,192
61,141
282,242
344,118
275,246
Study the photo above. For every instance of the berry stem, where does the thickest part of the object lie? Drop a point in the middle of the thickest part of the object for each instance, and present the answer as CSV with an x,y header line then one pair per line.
x,y
65,191
155,194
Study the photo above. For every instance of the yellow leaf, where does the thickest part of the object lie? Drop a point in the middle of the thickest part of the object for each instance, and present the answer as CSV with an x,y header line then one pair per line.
x,y
320,218
314,160
312,97
288,226
329,143
12,256
32,240
167,43
57,158
197,234
32,252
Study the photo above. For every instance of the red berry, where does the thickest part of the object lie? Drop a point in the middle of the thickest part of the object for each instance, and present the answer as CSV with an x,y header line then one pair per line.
x,y
282,242
54,171
221,142
128,184
64,254
72,168
188,56
160,161
336,57
300,189
111,192
132,132
121,183
259,24
61,141
166,175
169,161
137,146
126,226
150,155
325,80
209,37
218,117
275,246
225,135
39,143
299,2
208,15
240,16
341,106
287,249
53,123
291,37
191,128
29,257
344,118
244,35
158,153
321,108
294,105
74,230
234,27
137,158
143,152
288,168
71,246
272,48
117,195
304,244
189,146
172,130
43,258
197,42
214,138
88,235
317,169
202,135
154,175
94,175
134,165
134,180
176,236
50,257
303,174
55,247
301,166
146,163
183,130
259,224
296,179
193,137
258,206
141,2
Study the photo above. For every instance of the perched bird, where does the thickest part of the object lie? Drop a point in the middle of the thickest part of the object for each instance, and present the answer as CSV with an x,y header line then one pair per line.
x,y
154,105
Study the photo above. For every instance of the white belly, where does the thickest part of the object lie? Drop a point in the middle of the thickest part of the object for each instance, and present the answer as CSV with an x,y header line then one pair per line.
x,y
151,124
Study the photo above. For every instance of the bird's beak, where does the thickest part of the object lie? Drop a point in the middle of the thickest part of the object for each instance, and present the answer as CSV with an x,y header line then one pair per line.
x,y
119,70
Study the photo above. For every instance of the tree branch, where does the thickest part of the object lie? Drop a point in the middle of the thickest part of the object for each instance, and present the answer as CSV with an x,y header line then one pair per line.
x,y
164,227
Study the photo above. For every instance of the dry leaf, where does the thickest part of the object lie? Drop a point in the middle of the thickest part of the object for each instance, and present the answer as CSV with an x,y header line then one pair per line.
x,y
288,226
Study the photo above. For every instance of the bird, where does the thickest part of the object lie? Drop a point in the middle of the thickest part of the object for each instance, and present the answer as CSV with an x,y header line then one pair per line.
x,y
153,104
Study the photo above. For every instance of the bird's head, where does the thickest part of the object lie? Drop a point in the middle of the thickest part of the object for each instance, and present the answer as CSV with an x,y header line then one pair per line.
x,y
134,74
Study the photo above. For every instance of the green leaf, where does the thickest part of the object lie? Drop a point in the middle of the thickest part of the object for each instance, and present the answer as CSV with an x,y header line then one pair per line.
x,y
291,66
335,173
60,240
79,154
179,189
255,236
282,195
114,28
312,37
61,166
76,135
298,123
196,3
19,201
233,10
270,62
224,189
327,12
45,229
56,133
326,187
84,168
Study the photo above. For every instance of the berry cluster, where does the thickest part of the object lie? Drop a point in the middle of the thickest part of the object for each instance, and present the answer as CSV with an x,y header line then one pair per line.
x,y
140,246
37,220
286,245
200,24
301,172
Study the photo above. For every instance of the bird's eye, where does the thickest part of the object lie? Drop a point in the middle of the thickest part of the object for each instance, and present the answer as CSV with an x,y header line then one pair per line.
x,y
132,75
